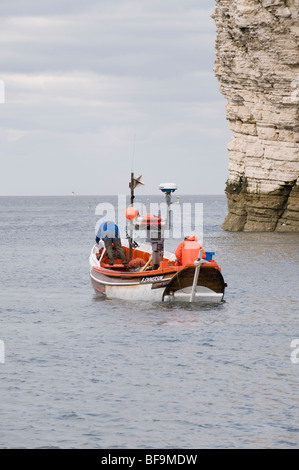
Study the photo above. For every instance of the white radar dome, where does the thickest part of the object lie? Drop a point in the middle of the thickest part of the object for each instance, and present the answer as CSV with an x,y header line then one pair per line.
x,y
168,187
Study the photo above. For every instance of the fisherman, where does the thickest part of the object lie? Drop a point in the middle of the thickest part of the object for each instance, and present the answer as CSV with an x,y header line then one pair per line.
x,y
187,250
109,233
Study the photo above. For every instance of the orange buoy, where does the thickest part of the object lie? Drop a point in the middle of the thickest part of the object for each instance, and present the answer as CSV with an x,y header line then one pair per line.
x,y
131,213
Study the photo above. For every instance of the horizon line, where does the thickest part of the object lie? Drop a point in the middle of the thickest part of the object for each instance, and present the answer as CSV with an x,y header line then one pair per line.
x,y
105,195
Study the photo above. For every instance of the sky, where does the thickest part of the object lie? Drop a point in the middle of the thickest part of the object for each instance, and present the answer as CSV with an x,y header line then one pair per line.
x,y
96,88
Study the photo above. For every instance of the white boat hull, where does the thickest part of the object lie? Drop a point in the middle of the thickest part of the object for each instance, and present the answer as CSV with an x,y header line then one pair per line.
x,y
145,292
147,287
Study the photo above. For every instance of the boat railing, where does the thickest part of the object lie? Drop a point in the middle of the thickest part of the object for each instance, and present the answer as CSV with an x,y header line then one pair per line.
x,y
94,253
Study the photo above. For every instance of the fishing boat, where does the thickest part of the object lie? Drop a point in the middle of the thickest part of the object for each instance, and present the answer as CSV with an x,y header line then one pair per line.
x,y
154,274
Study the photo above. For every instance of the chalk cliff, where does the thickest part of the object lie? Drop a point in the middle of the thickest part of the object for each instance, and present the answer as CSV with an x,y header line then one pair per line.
x,y
257,65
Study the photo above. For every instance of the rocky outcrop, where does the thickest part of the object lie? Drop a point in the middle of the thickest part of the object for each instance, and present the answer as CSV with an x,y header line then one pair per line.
x,y
257,65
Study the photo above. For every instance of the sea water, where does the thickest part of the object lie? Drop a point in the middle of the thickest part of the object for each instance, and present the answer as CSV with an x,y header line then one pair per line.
x,y
78,371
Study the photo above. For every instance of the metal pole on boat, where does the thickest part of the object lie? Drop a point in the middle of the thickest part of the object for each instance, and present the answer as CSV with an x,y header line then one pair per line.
x,y
131,202
196,274
135,182
168,189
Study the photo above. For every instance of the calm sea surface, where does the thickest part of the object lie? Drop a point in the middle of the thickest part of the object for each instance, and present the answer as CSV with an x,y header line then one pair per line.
x,y
81,372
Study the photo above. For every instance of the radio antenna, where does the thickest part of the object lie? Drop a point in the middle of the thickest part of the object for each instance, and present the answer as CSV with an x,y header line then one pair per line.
x,y
133,154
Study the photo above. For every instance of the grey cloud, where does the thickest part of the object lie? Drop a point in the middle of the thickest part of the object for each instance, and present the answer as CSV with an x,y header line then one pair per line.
x,y
65,7
82,78
111,42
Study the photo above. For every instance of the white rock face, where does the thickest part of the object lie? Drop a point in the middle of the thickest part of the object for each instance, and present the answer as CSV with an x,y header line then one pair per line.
x,y
257,65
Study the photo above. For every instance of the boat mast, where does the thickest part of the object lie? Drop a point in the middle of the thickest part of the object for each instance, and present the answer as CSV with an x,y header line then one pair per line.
x,y
132,189
131,203
135,182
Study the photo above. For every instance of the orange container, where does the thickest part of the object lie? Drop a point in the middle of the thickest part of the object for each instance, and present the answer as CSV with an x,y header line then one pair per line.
x,y
164,264
190,252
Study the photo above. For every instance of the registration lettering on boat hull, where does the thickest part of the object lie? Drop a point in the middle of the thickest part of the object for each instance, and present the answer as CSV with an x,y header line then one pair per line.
x,y
151,279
